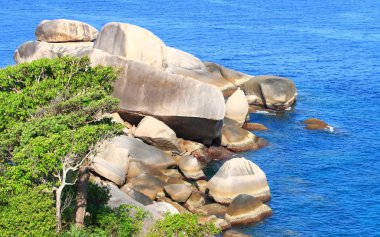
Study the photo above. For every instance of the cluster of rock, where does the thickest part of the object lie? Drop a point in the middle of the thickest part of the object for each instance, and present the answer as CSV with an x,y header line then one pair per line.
x,y
174,106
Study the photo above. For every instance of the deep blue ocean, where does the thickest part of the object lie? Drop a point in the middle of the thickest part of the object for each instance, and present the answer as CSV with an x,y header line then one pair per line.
x,y
322,184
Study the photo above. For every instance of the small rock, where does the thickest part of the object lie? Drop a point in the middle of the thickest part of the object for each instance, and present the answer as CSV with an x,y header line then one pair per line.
x,y
214,209
156,133
178,192
218,222
190,167
195,200
246,209
255,127
315,124
201,185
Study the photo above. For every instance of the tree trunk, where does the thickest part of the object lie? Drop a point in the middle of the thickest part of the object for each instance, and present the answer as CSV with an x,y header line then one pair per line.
x,y
81,198
58,194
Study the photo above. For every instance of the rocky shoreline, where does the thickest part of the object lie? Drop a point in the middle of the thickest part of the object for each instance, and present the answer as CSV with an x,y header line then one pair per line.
x,y
179,114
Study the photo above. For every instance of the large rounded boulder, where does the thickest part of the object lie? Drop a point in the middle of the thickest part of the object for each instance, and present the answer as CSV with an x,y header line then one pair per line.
x,y
237,107
62,30
133,43
273,92
238,176
246,209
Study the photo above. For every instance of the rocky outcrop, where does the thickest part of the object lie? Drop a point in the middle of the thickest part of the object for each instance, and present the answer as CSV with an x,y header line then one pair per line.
x,y
190,167
156,133
133,43
246,209
62,30
238,139
178,192
237,107
218,222
136,195
238,176
33,50
201,185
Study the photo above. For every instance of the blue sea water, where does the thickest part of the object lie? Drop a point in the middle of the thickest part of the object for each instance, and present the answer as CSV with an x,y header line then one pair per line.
x,y
322,184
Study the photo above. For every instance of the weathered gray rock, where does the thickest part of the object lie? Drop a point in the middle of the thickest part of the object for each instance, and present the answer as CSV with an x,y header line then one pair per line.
x,y
112,161
133,43
238,176
169,98
156,133
246,209
177,101
32,50
62,30
180,60
190,167
238,139
178,192
237,107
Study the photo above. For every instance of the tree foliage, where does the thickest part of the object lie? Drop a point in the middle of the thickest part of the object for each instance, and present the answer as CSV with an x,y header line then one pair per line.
x,y
49,109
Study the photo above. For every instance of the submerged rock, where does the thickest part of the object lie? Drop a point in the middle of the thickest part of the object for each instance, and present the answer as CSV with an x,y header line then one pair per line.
x,y
156,133
315,124
238,176
133,43
237,107
62,30
246,209
219,153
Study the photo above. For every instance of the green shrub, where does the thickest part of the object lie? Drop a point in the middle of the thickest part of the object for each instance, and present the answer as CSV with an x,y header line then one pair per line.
x,y
181,225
